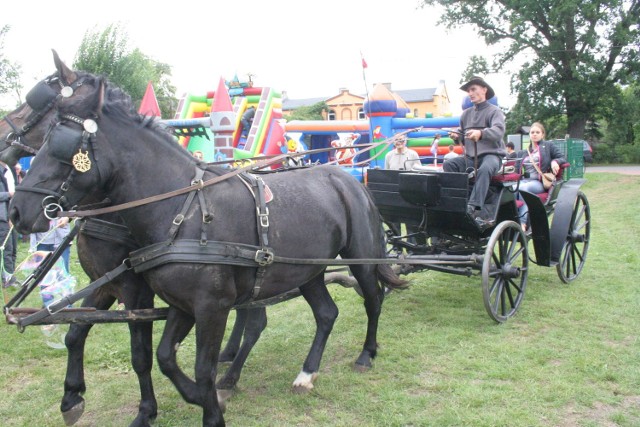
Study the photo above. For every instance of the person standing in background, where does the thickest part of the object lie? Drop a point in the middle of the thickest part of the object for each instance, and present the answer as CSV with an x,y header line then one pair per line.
x,y
451,154
401,157
434,149
19,173
7,188
50,240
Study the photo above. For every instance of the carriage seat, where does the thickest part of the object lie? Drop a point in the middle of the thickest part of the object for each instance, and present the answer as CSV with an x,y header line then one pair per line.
x,y
507,173
545,196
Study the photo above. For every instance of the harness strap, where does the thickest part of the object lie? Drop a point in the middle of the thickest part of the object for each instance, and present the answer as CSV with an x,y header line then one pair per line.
x,y
177,221
256,188
206,217
238,254
15,138
60,304
190,250
108,231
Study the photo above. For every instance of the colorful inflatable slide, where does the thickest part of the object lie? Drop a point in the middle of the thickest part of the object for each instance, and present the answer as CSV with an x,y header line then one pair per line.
x,y
266,135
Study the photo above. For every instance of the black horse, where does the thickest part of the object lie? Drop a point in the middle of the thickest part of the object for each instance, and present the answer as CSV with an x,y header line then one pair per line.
x,y
102,246
203,258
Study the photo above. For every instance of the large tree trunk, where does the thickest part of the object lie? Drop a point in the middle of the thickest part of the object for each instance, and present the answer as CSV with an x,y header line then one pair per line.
x,y
576,125
577,115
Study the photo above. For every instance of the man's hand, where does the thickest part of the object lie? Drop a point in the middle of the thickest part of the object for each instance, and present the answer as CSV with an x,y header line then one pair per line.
x,y
474,135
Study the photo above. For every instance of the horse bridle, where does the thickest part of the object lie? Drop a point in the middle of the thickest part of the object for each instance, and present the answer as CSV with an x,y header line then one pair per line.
x,y
41,99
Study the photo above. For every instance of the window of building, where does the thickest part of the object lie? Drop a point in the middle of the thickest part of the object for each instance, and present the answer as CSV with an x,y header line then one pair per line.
x,y
361,115
415,112
331,115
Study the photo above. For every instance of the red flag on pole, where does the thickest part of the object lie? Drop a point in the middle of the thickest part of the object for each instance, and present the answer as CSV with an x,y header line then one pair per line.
x,y
149,105
364,63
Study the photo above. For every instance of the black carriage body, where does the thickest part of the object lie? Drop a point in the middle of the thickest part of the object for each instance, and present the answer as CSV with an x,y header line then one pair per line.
x,y
438,201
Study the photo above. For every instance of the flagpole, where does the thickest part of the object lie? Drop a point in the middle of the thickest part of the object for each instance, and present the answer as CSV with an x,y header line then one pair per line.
x,y
366,88
364,75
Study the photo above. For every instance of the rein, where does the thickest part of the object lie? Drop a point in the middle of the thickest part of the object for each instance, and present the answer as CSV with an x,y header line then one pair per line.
x,y
202,184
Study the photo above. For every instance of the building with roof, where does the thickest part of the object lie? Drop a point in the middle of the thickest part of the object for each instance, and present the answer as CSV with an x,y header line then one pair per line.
x,y
426,102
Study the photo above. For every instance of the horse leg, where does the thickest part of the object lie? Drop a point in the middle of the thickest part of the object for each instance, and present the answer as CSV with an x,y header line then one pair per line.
x,y
72,405
325,312
177,326
210,326
233,344
373,296
142,357
255,320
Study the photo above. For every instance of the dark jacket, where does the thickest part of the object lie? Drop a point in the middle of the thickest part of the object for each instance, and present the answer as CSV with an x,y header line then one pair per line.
x,y
548,153
490,119
5,196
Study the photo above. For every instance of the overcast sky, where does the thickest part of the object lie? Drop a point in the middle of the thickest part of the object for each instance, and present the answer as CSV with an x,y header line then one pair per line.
x,y
286,44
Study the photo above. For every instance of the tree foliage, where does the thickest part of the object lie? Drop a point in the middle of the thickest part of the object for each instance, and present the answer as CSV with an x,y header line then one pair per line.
x,y
108,53
476,66
311,112
9,71
575,52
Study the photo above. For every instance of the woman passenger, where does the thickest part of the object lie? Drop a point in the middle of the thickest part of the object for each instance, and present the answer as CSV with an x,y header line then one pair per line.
x,y
547,156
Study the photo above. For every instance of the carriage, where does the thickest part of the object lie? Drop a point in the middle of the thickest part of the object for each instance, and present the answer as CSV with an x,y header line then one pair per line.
x,y
444,238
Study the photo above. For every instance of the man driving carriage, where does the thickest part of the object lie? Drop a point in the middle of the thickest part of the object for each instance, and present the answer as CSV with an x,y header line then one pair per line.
x,y
482,127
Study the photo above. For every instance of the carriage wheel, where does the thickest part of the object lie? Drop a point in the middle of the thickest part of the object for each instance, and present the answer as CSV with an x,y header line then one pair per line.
x,y
574,251
504,271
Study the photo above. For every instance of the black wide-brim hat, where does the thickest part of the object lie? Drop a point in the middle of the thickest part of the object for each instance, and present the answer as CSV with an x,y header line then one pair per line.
x,y
475,80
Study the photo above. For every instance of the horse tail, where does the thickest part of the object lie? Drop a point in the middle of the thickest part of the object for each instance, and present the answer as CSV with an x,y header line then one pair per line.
x,y
389,278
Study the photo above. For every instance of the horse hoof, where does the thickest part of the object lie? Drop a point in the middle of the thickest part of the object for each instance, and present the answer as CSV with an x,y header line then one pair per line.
x,y
300,389
304,382
72,416
224,395
222,405
361,368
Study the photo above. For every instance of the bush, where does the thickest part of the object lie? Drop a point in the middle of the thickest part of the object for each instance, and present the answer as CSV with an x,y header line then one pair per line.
x,y
603,153
627,153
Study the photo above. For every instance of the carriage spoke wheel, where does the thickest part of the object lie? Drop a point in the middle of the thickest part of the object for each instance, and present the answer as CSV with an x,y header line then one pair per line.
x,y
504,271
574,251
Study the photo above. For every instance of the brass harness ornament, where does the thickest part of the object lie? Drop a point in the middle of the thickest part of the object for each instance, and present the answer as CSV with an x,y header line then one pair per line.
x,y
81,161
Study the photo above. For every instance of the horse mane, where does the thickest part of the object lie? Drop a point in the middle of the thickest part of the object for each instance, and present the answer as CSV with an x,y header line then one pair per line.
x,y
116,104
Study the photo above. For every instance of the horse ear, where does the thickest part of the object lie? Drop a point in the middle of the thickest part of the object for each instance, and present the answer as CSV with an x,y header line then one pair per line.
x,y
65,72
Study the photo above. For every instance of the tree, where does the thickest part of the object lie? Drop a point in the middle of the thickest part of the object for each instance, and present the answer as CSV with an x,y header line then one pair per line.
x,y
311,112
477,65
9,71
108,53
579,50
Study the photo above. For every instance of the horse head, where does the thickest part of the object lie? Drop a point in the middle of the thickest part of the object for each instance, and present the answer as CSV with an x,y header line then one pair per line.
x,y
62,169
24,128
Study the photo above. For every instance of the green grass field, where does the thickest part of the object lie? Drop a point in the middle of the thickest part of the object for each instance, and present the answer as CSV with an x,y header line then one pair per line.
x,y
570,357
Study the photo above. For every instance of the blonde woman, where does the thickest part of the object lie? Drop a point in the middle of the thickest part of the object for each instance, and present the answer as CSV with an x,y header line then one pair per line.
x,y
546,156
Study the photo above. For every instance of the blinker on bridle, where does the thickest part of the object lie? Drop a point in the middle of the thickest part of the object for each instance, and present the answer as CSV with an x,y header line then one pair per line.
x,y
41,99
64,141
